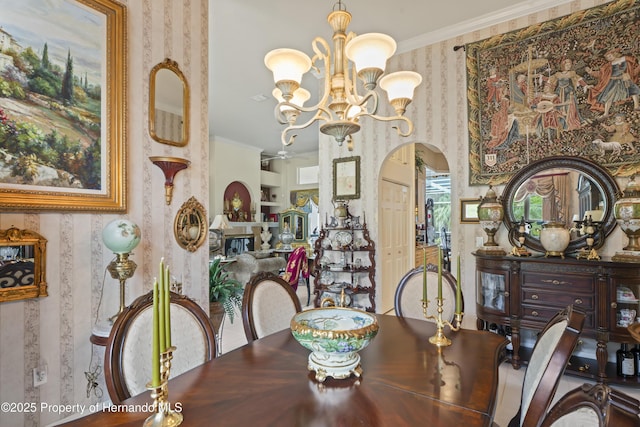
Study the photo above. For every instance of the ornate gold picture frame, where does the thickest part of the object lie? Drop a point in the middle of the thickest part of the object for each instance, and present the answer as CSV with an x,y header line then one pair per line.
x,y
22,265
68,151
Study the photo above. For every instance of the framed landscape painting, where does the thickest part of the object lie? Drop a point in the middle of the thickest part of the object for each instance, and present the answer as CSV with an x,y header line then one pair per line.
x,y
565,87
62,105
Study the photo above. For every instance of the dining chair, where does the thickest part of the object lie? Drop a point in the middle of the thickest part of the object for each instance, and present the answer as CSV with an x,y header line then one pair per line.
x,y
298,268
127,359
596,405
548,361
268,304
408,296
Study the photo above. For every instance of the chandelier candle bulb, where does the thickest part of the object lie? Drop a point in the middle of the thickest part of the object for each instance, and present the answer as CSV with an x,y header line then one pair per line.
x,y
155,343
424,275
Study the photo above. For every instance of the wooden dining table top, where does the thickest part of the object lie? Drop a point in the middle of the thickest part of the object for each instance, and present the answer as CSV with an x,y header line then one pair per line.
x,y
406,381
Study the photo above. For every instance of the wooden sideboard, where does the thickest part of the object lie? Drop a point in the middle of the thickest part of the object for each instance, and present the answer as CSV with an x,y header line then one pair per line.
x,y
430,250
525,292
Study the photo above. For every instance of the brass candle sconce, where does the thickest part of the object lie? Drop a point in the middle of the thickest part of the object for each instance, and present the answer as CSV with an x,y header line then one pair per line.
x,y
170,166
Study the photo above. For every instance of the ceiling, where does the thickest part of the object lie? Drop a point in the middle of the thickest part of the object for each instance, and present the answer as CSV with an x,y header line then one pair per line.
x,y
243,31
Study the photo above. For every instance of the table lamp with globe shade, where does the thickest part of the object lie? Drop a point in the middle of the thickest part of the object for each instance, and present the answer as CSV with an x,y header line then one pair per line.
x,y
121,236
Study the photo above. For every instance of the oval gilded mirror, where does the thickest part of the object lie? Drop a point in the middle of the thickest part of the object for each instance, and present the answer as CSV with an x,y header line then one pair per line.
x,y
168,104
561,189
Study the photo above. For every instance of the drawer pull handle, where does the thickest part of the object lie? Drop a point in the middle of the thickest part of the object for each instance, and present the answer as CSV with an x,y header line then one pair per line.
x,y
556,282
534,296
534,313
578,301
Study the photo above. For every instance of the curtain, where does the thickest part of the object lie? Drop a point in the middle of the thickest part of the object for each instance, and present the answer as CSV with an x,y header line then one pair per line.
x,y
554,190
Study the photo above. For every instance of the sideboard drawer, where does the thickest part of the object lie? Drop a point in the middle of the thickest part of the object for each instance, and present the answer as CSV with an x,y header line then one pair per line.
x,y
564,283
558,300
542,314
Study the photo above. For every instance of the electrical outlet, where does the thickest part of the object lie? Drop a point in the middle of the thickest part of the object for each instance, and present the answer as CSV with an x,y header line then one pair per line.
x,y
479,242
39,375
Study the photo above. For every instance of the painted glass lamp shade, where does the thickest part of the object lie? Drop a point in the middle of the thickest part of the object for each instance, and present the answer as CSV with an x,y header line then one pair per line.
x,y
121,236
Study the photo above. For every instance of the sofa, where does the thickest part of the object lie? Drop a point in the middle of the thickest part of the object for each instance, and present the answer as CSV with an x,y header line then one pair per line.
x,y
249,263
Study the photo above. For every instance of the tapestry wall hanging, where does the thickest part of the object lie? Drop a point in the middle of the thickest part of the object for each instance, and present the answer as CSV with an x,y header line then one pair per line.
x,y
565,87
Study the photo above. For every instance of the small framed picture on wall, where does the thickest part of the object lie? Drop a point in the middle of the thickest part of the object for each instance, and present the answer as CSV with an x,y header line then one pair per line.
x,y
346,178
469,211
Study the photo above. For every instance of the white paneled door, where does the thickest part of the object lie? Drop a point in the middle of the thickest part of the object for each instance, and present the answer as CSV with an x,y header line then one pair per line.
x,y
396,239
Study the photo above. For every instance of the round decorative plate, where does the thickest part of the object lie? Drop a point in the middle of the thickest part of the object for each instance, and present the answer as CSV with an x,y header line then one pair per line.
x,y
326,278
344,238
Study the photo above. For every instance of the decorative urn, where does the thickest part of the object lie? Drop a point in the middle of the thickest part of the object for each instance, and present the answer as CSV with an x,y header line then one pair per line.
x,y
627,213
490,214
554,237
286,237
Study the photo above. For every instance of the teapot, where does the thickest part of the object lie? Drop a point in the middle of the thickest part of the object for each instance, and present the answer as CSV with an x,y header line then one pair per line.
x,y
340,209
341,212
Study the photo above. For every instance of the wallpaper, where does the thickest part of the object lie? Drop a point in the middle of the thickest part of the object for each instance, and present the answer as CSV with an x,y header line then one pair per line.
x,y
55,330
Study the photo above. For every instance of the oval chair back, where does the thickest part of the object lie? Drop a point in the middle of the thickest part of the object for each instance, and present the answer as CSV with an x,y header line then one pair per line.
x,y
268,305
408,296
127,359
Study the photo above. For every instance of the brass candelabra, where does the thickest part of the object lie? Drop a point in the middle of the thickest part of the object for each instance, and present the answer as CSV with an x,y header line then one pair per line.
x,y
164,416
439,339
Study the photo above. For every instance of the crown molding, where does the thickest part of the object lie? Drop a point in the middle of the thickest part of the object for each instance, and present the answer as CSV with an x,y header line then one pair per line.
x,y
484,21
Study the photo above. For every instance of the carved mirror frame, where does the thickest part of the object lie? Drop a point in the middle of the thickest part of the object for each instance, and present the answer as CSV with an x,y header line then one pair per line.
x,y
190,227
154,122
22,265
595,173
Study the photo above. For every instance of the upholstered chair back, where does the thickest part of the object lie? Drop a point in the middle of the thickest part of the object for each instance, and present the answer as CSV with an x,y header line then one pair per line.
x,y
268,305
548,361
408,296
128,352
596,405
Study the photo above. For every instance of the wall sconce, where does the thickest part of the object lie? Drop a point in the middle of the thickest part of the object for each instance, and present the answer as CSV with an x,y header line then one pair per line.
x,y
121,236
170,167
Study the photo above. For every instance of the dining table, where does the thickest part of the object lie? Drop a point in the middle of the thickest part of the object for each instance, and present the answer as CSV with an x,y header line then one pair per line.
x,y
405,381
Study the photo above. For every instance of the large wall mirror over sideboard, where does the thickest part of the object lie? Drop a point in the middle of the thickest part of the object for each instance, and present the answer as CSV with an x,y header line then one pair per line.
x,y
22,265
560,189
168,104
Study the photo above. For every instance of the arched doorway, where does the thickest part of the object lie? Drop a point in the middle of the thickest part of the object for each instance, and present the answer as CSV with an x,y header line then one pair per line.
x,y
401,208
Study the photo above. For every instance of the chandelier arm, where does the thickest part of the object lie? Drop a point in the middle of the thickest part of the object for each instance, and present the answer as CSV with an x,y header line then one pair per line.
x,y
391,119
362,103
325,57
322,114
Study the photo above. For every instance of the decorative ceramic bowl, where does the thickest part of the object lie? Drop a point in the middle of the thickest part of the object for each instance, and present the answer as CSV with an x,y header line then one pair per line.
x,y
334,335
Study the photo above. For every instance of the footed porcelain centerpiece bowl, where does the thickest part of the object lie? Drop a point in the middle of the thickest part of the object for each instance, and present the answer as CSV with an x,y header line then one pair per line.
x,y
334,335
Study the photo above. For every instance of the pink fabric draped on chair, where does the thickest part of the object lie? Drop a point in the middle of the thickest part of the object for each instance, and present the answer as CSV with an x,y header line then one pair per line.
x,y
296,266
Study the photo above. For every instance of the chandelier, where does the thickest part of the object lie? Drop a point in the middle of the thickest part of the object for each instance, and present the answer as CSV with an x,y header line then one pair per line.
x,y
340,106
